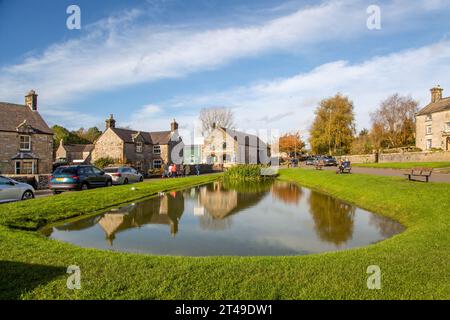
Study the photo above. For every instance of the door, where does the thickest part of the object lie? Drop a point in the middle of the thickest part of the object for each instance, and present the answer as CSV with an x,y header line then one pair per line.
x,y
8,191
99,177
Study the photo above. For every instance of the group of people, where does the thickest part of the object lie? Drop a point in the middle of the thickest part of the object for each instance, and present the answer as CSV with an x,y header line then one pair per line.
x,y
173,170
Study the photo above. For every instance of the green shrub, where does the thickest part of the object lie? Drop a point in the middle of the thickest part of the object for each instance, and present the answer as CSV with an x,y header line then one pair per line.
x,y
104,162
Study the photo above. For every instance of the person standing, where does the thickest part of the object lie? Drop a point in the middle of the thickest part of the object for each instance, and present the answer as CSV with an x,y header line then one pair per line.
x,y
174,170
197,169
169,174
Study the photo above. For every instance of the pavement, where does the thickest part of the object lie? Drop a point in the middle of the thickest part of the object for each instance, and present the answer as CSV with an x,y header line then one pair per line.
x,y
435,176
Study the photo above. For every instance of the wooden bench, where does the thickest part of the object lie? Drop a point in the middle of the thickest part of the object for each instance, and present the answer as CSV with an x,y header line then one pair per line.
x,y
319,165
345,168
419,173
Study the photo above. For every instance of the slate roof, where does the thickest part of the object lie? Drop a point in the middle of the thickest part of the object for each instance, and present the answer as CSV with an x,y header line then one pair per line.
x,y
441,105
128,135
79,147
253,139
12,115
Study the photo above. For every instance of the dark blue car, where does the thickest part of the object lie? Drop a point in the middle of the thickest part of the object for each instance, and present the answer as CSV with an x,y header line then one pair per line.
x,y
80,177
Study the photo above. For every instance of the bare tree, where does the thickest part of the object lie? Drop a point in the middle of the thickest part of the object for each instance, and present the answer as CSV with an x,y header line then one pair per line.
x,y
393,124
220,116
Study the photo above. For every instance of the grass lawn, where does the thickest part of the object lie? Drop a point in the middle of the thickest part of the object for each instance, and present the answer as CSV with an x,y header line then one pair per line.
x,y
414,264
404,165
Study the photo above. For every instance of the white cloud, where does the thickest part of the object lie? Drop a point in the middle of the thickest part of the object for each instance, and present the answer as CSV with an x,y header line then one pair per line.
x,y
289,103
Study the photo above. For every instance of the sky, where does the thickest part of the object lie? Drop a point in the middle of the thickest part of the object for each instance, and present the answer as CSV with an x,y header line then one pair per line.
x,y
270,61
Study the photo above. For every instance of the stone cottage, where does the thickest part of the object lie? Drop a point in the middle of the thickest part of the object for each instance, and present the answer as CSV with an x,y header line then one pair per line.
x,y
229,146
74,153
26,141
433,123
140,149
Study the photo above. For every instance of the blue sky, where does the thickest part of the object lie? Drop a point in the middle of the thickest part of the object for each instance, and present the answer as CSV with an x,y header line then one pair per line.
x,y
270,61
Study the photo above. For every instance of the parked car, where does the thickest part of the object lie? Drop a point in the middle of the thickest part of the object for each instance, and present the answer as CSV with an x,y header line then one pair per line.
x,y
329,161
124,175
11,190
310,160
78,177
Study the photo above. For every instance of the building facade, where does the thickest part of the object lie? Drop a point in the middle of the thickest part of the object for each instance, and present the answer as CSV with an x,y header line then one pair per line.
x,y
26,141
433,123
74,153
229,146
142,150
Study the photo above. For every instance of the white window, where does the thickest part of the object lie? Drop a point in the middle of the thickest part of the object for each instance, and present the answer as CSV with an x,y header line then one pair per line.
x,y
139,146
157,163
428,117
25,167
157,149
429,144
429,130
25,143
448,127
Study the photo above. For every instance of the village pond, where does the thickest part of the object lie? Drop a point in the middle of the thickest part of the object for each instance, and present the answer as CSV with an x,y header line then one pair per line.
x,y
239,219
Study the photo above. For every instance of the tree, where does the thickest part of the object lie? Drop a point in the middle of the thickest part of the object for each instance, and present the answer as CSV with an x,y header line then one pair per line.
x,y
333,128
393,124
291,143
362,144
90,134
220,116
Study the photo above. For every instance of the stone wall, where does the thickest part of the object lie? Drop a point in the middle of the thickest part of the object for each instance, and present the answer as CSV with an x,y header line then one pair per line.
x,y
41,147
108,145
39,181
363,158
414,157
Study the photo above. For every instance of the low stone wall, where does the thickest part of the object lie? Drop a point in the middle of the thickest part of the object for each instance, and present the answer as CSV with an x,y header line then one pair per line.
x,y
39,181
362,158
437,156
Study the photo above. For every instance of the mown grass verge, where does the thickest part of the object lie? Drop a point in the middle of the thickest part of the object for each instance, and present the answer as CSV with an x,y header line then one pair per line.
x,y
414,264
404,165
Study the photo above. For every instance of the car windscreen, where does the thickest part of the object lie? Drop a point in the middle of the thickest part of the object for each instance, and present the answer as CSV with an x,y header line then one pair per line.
x,y
67,170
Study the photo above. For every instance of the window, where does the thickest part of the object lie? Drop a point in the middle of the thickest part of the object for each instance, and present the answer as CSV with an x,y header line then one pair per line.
x,y
428,117
157,163
157,149
224,145
448,127
139,146
429,144
428,129
25,143
138,166
97,171
4,181
25,167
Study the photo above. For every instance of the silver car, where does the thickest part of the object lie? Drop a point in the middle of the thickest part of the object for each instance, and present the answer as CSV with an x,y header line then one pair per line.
x,y
11,190
123,175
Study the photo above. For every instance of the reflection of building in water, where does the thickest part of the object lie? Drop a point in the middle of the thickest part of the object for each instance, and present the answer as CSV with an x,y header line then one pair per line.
x,y
333,219
167,210
287,192
220,203
386,226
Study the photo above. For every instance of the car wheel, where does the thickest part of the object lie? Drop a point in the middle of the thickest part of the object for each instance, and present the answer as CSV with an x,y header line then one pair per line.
x,y
56,192
141,179
109,183
27,195
125,181
84,186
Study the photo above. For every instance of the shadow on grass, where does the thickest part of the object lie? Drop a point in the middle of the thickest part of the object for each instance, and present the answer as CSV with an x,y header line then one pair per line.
x,y
17,278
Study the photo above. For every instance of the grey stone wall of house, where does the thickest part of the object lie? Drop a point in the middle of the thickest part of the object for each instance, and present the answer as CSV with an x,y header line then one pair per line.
x,y
109,145
41,147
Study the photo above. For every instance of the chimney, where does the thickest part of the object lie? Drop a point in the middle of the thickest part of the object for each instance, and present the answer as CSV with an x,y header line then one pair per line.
x,y
110,123
214,125
436,94
174,126
31,100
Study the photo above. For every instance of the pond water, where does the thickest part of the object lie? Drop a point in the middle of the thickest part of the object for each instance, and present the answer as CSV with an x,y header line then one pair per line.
x,y
269,218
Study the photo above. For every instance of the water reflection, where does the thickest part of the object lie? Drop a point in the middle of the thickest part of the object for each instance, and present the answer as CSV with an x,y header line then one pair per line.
x,y
333,219
270,218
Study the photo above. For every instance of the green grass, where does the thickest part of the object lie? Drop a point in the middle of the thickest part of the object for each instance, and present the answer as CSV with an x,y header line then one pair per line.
x,y
414,264
404,165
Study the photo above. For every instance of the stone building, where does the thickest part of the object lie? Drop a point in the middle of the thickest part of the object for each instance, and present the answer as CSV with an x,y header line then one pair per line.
x,y
74,153
140,149
229,146
433,123
26,141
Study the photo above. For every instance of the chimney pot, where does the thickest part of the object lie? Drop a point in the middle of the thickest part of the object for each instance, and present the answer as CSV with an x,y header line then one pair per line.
x,y
110,123
436,93
31,100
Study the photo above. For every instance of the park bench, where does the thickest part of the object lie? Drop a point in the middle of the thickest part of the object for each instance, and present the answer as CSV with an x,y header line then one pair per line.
x,y
417,173
344,168
319,165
